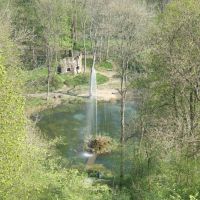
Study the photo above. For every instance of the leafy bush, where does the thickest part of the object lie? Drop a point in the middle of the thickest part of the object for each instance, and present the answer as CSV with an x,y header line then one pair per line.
x,y
82,79
34,102
56,83
99,144
80,45
101,79
106,65
36,80
36,85
12,134
89,62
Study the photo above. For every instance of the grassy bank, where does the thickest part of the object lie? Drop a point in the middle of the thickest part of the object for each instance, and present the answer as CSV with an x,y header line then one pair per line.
x,y
36,80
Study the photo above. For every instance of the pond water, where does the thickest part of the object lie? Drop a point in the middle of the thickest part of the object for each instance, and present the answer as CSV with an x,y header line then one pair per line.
x,y
69,122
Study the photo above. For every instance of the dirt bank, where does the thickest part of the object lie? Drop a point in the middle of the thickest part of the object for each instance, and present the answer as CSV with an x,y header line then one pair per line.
x,y
105,92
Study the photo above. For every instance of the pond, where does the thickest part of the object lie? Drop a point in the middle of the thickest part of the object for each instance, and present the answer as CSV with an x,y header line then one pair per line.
x,y
69,122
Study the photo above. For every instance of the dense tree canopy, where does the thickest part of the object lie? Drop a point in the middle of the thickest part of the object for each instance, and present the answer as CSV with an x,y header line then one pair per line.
x,y
154,48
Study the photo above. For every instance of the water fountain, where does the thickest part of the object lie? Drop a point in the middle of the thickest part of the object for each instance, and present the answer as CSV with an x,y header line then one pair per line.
x,y
95,144
84,137
92,106
91,124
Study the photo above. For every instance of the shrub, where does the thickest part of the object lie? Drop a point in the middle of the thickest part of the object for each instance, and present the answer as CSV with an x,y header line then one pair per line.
x,y
106,65
99,144
101,79
56,83
82,79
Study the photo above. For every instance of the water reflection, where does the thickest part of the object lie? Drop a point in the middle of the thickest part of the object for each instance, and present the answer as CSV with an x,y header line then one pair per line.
x,y
70,123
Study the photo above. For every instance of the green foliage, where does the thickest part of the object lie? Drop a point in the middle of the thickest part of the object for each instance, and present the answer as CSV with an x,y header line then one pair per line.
x,y
77,80
38,23
12,134
166,160
94,169
82,79
34,102
101,79
80,45
106,65
56,24
8,49
25,171
28,31
122,195
89,62
163,161
56,83
36,80
99,144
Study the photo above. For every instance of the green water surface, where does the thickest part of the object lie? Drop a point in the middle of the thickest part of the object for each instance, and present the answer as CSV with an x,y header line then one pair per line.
x,y
69,122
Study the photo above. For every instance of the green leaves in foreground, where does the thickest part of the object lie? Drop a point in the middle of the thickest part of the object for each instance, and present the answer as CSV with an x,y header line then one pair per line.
x,y
29,169
11,134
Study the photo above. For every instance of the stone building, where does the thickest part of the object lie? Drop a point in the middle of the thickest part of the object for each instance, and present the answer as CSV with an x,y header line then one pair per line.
x,y
70,65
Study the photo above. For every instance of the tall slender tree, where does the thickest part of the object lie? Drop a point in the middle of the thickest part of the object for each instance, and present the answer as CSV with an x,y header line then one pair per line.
x,y
129,20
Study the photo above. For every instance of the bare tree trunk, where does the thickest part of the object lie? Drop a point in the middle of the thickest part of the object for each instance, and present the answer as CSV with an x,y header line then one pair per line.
x,y
75,30
93,39
56,57
34,58
100,49
174,102
163,4
148,168
191,112
85,50
107,47
122,121
74,25
49,62
122,109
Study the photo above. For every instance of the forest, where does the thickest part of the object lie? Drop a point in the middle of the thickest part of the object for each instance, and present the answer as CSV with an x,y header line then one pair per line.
x,y
136,136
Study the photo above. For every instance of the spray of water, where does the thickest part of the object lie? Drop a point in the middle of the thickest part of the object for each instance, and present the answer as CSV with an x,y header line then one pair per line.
x,y
92,105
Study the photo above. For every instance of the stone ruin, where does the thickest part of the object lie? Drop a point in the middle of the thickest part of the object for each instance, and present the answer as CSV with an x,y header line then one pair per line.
x,y
70,65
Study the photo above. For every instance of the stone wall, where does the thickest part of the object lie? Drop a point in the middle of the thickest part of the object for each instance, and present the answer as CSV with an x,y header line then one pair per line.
x,y
70,65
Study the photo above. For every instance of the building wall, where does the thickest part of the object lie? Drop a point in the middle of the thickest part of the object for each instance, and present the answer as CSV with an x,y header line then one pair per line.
x,y
71,65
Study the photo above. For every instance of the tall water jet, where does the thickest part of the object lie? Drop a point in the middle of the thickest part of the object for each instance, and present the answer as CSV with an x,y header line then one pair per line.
x,y
92,105
91,115
93,84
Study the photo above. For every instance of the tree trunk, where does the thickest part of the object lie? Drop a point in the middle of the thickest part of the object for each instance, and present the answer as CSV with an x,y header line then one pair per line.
x,y
122,109
100,49
34,58
174,102
85,50
49,62
74,25
191,113
122,122
107,47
